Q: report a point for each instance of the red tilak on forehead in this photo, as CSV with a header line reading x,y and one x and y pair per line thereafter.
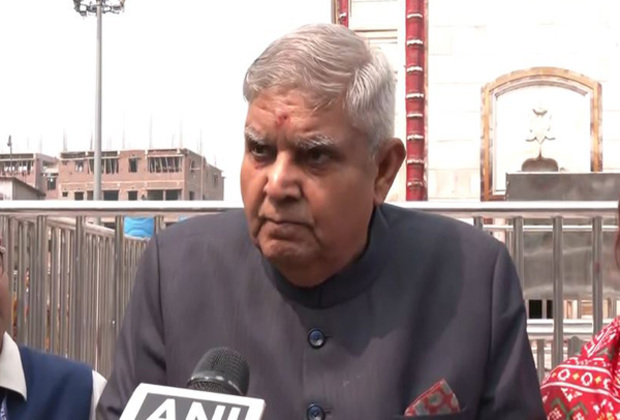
x,y
281,118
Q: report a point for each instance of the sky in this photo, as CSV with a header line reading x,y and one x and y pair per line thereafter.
x,y
173,68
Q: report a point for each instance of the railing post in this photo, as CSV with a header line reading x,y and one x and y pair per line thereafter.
x,y
116,288
90,282
558,292
9,265
22,298
38,285
31,271
540,359
159,224
517,246
76,314
54,291
597,273
574,346
119,272
64,291
107,307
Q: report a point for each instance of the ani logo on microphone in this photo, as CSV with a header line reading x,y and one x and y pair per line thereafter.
x,y
156,402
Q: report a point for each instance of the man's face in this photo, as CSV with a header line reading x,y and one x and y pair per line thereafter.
x,y
307,182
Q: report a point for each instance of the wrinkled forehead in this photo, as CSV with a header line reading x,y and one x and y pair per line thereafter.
x,y
289,114
296,102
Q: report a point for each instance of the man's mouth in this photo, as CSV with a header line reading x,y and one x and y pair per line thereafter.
x,y
280,221
283,228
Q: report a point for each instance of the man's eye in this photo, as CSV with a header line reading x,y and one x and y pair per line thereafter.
x,y
317,156
259,150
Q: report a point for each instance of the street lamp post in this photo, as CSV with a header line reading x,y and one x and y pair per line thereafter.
x,y
98,8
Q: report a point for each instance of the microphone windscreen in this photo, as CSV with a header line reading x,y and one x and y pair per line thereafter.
x,y
223,371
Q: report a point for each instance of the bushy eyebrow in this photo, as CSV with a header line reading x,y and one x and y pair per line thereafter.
x,y
252,135
315,141
303,143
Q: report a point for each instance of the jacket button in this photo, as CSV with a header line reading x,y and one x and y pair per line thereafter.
x,y
316,338
315,412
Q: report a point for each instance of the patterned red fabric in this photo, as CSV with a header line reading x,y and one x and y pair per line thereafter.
x,y
587,386
439,399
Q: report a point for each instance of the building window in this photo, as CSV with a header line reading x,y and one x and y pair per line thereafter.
x,y
79,166
191,196
78,195
133,165
164,164
132,195
65,194
167,195
110,195
155,195
89,195
51,183
108,165
172,195
21,167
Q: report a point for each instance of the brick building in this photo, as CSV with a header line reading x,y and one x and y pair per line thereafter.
x,y
34,169
157,174
12,188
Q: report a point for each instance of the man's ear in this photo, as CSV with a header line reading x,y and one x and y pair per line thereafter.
x,y
389,157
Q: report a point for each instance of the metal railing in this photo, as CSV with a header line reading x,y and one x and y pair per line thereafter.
x,y
70,282
72,279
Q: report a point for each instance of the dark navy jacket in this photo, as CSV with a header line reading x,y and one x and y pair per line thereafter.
x,y
431,298
58,389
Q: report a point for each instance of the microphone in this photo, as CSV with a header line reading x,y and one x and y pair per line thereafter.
x,y
223,371
215,391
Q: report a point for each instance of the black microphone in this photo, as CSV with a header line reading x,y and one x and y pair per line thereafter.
x,y
223,371
215,390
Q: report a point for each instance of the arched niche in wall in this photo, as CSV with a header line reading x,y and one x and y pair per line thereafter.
x,y
542,119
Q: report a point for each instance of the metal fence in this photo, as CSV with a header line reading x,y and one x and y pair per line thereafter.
x,y
72,279
70,282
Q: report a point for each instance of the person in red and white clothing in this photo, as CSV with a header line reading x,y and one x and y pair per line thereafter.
x,y
587,386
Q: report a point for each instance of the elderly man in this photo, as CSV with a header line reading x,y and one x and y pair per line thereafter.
x,y
345,307
35,385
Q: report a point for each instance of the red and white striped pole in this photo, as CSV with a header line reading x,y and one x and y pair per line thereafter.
x,y
415,88
342,12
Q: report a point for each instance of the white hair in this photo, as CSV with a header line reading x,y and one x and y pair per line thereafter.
x,y
331,65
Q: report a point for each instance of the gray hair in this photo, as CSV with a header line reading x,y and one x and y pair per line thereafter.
x,y
330,63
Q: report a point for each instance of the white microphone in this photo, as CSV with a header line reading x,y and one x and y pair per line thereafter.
x,y
216,391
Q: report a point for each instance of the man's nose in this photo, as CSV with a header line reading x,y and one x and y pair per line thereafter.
x,y
283,180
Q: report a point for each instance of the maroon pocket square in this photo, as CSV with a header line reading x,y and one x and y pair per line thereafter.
x,y
438,399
